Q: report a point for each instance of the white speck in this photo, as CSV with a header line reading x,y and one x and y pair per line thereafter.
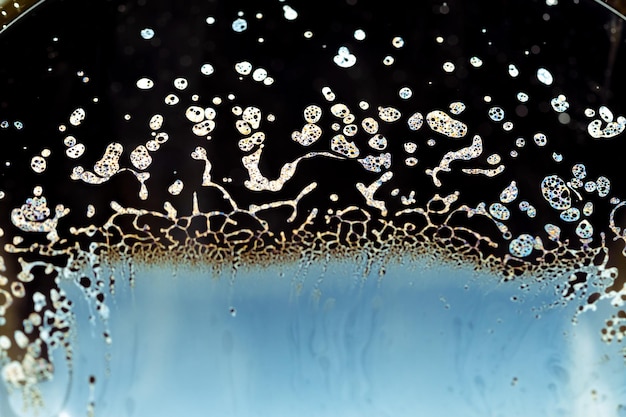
x,y
210,20
359,34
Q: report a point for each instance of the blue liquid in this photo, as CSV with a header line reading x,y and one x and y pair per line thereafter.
x,y
431,342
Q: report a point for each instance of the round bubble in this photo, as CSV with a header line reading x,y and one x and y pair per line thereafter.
x,y
147,33
145,83
207,69
239,25
544,76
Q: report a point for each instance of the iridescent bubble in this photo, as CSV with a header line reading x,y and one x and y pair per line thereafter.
x,y
544,76
344,58
239,25
397,42
388,60
359,34
147,33
405,93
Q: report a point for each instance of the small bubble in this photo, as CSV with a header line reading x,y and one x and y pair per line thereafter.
x,y
259,74
4,124
145,83
308,34
180,83
439,39
18,125
411,161
210,20
171,99
493,159
243,67
334,197
520,142
388,60
328,94
487,99
344,58
431,142
590,112
239,25
476,62
364,105
359,34
522,97
544,76
448,67
496,113
289,13
540,139
176,188
147,33
513,71
207,69
397,42
508,126
259,16
405,93
557,157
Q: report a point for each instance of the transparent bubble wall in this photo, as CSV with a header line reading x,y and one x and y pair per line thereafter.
x,y
303,208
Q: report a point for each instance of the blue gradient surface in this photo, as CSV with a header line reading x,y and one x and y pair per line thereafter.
x,y
418,342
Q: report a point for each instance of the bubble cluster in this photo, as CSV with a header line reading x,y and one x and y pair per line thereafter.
x,y
226,169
